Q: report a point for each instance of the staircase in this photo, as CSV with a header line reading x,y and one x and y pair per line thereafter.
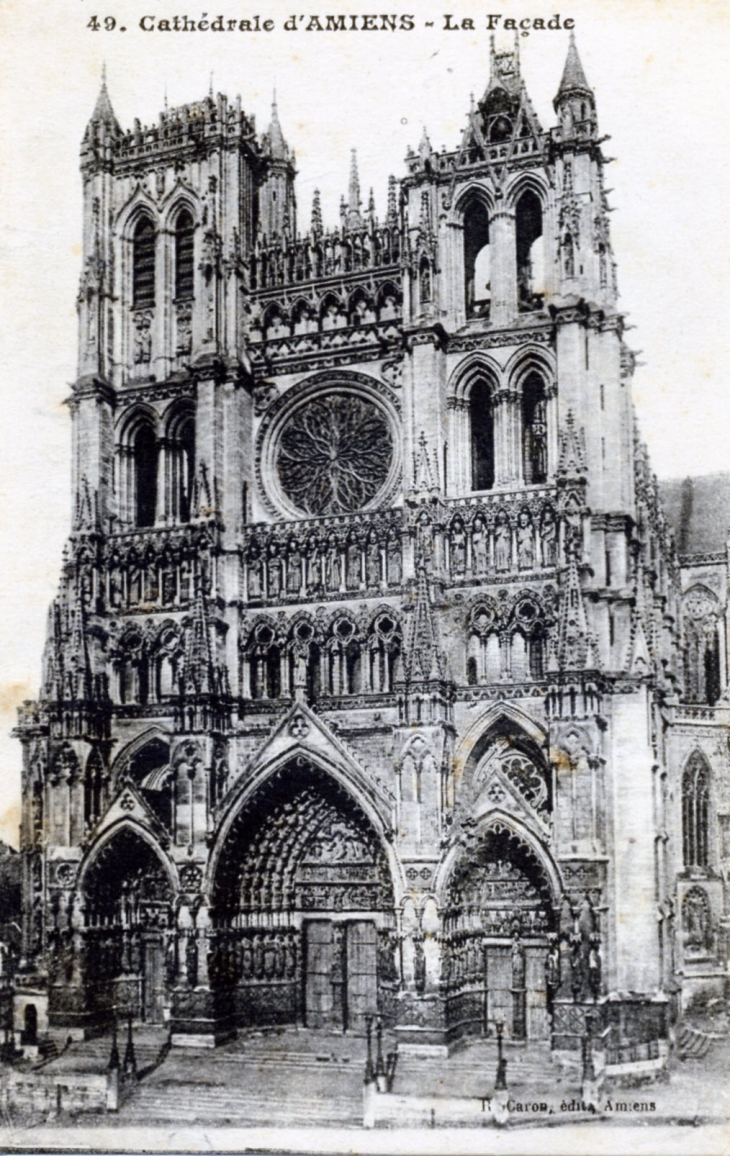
x,y
693,1043
250,1083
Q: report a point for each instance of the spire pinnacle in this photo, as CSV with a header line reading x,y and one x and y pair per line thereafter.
x,y
424,659
103,112
353,200
574,78
316,214
278,148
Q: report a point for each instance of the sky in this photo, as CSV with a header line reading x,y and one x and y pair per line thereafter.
x,y
659,71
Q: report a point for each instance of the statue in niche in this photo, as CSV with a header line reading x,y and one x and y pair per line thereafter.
x,y
115,587
255,583
372,562
552,966
525,541
479,546
594,967
502,542
353,566
294,571
191,961
313,568
549,537
458,549
419,964
332,566
142,338
274,570
697,923
393,561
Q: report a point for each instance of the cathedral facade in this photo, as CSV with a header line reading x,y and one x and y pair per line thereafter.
x,y
377,683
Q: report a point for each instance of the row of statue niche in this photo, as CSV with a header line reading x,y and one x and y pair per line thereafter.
x,y
573,965
332,254
524,544
332,568
505,921
166,583
258,956
342,897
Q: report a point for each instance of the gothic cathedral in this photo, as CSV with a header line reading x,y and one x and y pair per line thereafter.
x,y
378,682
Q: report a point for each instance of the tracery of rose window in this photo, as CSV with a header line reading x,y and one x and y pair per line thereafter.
x,y
334,454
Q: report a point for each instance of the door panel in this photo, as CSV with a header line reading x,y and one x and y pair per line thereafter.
x,y
499,987
153,991
319,1002
538,1023
362,979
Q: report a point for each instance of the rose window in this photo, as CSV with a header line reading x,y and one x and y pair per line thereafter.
x,y
334,454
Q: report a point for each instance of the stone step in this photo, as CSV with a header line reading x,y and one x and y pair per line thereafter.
x,y
218,1103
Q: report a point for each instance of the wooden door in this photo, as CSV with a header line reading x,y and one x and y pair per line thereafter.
x,y
319,1002
538,1023
362,976
153,987
498,963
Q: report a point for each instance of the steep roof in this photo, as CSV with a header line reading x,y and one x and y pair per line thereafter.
x,y
698,510
574,78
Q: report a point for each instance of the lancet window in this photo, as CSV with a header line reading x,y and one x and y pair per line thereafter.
x,y
481,413
143,264
702,646
384,646
695,811
477,278
530,258
144,453
264,663
534,430
180,470
344,659
184,256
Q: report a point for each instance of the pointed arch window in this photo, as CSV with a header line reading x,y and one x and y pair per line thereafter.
x,y
143,264
385,652
695,811
344,671
144,452
481,413
184,256
530,256
477,278
265,664
181,471
534,430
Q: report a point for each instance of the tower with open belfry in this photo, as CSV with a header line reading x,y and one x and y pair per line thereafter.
x,y
383,678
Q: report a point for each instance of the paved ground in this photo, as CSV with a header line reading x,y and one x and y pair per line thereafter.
x,y
307,1080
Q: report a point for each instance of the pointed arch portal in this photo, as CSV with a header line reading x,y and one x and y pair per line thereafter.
x,y
302,906
500,910
127,895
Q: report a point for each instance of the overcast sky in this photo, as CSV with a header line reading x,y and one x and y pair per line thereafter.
x,y
660,72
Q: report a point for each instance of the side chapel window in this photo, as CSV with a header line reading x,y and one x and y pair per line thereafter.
x,y
695,811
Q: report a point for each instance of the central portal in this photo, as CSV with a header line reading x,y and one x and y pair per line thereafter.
x,y
304,908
